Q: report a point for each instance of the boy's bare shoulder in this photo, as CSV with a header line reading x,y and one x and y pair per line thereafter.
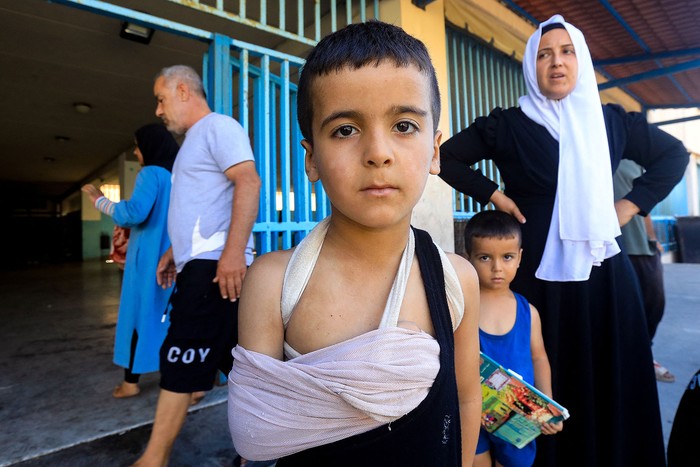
x,y
271,264
463,268
263,282
260,327
266,275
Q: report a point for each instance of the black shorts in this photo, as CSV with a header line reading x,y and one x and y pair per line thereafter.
x,y
203,330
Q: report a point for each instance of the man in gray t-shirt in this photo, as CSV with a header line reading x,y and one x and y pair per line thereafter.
x,y
213,206
644,251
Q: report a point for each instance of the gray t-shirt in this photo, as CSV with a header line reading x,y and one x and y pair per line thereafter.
x,y
201,197
634,235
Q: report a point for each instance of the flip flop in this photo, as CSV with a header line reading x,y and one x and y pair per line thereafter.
x,y
662,373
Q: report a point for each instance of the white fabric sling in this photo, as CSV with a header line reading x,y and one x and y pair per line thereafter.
x,y
584,222
279,408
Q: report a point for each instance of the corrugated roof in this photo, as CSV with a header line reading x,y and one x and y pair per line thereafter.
x,y
652,46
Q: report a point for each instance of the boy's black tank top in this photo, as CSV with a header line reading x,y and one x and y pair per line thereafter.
x,y
430,434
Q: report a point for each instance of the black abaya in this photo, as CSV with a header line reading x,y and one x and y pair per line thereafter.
x,y
594,331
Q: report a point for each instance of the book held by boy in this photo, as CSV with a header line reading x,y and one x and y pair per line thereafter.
x,y
513,409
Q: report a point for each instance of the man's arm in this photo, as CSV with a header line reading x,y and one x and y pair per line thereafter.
x,y
166,273
232,265
651,233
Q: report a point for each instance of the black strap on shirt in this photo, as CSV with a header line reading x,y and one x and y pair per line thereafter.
x,y
430,434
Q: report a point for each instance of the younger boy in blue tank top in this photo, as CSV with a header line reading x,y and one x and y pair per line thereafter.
x,y
509,327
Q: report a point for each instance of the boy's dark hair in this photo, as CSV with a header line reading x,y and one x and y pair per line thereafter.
x,y
491,224
356,46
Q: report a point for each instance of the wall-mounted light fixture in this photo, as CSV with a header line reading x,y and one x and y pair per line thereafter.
x,y
82,107
136,32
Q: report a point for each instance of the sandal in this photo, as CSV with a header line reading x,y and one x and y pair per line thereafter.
x,y
662,373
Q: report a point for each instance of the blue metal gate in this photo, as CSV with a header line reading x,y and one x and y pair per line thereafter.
x,y
255,85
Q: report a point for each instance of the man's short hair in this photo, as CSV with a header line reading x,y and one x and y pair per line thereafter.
x,y
359,45
183,73
491,224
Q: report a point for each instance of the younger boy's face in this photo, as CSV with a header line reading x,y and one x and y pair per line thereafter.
x,y
373,141
496,261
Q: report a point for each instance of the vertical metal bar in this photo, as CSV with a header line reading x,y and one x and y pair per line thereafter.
x,y
499,83
512,87
363,13
219,76
302,210
243,90
334,15
205,70
376,9
241,9
285,133
492,80
263,12
471,98
270,186
464,93
300,18
219,5
274,172
479,83
348,12
453,97
470,94
283,14
262,151
317,19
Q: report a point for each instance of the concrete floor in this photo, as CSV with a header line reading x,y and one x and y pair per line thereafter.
x,y
56,375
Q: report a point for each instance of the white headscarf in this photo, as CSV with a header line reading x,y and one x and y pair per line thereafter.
x,y
584,222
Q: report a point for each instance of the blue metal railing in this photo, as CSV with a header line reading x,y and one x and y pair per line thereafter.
x,y
305,21
265,105
665,228
262,81
479,79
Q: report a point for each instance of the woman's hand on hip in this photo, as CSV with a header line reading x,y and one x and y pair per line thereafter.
x,y
625,210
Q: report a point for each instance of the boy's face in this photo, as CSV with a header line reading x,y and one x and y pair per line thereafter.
x,y
496,261
373,142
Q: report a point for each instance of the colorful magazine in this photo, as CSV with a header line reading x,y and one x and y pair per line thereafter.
x,y
512,409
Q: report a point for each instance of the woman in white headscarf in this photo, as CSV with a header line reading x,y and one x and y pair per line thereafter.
x,y
556,154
